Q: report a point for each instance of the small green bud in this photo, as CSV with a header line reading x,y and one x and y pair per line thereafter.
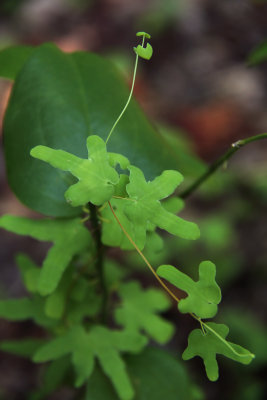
x,y
146,35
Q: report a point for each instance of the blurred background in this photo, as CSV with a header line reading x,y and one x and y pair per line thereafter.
x,y
200,86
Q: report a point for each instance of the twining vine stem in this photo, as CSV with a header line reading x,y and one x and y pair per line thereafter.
x,y
220,161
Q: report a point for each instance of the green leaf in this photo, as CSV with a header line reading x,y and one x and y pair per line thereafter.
x,y
55,305
213,342
99,387
114,274
16,309
25,309
112,234
146,207
90,307
101,343
57,101
150,381
70,237
84,301
154,249
139,311
96,177
142,211
173,204
203,295
12,60
144,52
29,271
146,370
24,348
118,159
52,378
80,287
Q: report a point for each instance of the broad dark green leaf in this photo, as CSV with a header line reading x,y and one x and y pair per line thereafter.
x,y
12,60
155,374
57,100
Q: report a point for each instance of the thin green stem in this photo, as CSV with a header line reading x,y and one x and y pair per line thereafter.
x,y
129,98
220,161
128,101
